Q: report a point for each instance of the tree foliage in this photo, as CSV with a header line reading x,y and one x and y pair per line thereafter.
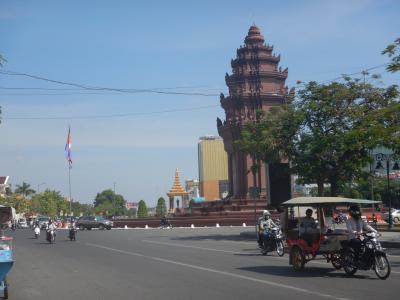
x,y
327,132
108,203
393,52
49,203
24,189
142,209
161,209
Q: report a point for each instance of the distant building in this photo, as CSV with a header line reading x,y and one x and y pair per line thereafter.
x,y
213,168
192,187
3,185
131,205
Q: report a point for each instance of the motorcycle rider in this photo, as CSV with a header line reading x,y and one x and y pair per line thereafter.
x,y
164,222
36,230
51,226
355,227
72,230
265,223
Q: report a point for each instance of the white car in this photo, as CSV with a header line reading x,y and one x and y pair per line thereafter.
x,y
22,223
395,216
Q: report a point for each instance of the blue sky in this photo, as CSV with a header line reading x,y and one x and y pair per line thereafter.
x,y
183,45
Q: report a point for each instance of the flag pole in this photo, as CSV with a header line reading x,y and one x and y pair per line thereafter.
x,y
68,155
69,184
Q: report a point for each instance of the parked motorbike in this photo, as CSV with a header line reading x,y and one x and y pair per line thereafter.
x,y
72,234
272,241
370,256
51,236
37,232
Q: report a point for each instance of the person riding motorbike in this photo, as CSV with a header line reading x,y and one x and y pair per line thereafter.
x,y
72,230
36,230
355,227
265,223
51,226
164,222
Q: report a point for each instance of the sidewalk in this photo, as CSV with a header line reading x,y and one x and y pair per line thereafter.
x,y
388,239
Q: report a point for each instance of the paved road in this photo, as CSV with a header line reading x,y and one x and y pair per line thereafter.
x,y
212,263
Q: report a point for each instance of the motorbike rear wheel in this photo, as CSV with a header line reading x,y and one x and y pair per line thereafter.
x,y
382,266
5,292
279,248
349,260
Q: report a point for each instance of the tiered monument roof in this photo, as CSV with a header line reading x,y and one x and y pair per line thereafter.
x,y
177,189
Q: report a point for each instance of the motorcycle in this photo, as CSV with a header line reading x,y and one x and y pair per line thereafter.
x,y
272,241
72,234
37,232
371,256
51,236
165,224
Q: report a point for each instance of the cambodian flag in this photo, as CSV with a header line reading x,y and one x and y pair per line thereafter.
x,y
68,148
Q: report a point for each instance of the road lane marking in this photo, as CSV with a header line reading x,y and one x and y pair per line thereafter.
x,y
232,252
116,250
215,271
194,247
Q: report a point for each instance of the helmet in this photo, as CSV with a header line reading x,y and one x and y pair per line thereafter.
x,y
266,213
354,211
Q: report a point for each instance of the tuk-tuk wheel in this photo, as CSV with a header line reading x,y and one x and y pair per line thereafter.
x,y
5,296
297,258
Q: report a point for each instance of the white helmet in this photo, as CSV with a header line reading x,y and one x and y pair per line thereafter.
x,y
266,213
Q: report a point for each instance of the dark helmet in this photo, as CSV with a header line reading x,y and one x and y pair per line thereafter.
x,y
355,211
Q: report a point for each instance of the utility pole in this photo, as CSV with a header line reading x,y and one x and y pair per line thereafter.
x,y
114,201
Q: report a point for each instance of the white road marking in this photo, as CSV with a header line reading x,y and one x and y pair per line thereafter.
x,y
193,247
267,282
234,252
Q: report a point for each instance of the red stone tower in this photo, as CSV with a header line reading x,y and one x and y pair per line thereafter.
x,y
256,83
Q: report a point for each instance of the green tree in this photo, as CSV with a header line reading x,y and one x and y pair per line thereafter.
x,y
326,132
393,52
82,209
49,203
142,209
107,200
161,209
24,189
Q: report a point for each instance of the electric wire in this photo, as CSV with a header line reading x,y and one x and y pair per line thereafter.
x,y
85,87
108,116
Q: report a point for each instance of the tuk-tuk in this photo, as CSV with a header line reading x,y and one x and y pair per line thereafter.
x,y
326,237
6,252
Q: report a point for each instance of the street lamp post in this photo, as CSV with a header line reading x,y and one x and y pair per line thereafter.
x,y
388,158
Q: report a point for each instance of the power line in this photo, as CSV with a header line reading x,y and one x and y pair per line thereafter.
x,y
94,88
108,116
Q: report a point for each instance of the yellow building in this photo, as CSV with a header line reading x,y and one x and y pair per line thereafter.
x,y
213,168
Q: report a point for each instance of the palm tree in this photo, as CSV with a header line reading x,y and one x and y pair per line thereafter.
x,y
24,189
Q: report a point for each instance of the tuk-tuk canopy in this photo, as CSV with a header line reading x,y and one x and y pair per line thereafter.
x,y
318,201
